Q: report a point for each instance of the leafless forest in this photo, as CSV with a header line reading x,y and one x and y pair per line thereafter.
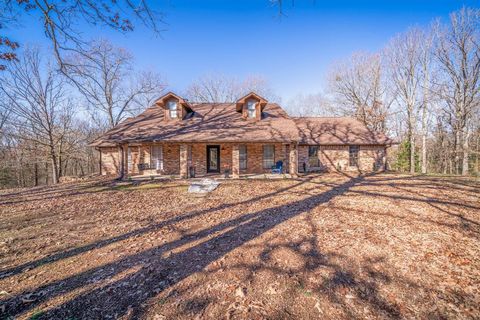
x,y
423,89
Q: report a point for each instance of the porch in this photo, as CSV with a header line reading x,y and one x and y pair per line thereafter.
x,y
161,177
197,160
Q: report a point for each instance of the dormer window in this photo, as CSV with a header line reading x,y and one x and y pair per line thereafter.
x,y
172,109
251,108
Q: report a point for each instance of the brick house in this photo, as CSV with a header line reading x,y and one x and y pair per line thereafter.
x,y
176,137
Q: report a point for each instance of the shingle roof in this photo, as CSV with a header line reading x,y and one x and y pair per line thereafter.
x,y
337,131
220,122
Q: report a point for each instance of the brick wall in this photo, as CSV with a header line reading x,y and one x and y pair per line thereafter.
x,y
332,158
254,157
372,158
171,159
199,158
110,159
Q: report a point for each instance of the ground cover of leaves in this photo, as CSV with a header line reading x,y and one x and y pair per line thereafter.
x,y
320,246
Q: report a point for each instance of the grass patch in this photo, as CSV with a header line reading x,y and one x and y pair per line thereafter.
x,y
162,301
37,315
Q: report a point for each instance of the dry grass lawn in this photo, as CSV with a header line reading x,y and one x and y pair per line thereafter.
x,y
327,246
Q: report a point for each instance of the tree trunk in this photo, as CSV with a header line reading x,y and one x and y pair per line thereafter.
x,y
412,140
424,122
465,152
35,170
477,154
456,149
46,172
54,167
424,152
412,154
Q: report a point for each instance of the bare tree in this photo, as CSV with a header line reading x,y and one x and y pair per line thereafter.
x,y
60,17
5,111
426,61
221,88
7,54
106,78
359,89
8,47
310,105
40,111
459,58
403,54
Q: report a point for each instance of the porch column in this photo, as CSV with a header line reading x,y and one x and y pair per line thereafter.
x,y
235,161
183,161
293,160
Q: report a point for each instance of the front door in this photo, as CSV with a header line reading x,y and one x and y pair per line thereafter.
x,y
213,158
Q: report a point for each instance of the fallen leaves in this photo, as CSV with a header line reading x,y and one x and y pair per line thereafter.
x,y
382,246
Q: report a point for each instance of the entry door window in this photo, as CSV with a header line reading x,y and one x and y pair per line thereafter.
x,y
213,158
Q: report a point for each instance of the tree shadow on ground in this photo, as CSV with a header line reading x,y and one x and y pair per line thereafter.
x,y
132,281
157,273
137,232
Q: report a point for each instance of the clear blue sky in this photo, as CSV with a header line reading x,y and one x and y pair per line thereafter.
x,y
245,37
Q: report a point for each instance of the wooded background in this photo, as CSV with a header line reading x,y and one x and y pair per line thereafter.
x,y
422,89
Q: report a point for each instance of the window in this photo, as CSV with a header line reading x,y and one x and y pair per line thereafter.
x,y
156,159
132,158
243,157
189,156
313,160
353,156
129,159
251,108
172,109
268,156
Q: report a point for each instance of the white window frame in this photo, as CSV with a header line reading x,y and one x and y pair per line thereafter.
x,y
172,109
156,157
270,162
353,155
243,162
129,159
251,108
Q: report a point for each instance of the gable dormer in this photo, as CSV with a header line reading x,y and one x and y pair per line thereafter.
x,y
175,107
251,106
